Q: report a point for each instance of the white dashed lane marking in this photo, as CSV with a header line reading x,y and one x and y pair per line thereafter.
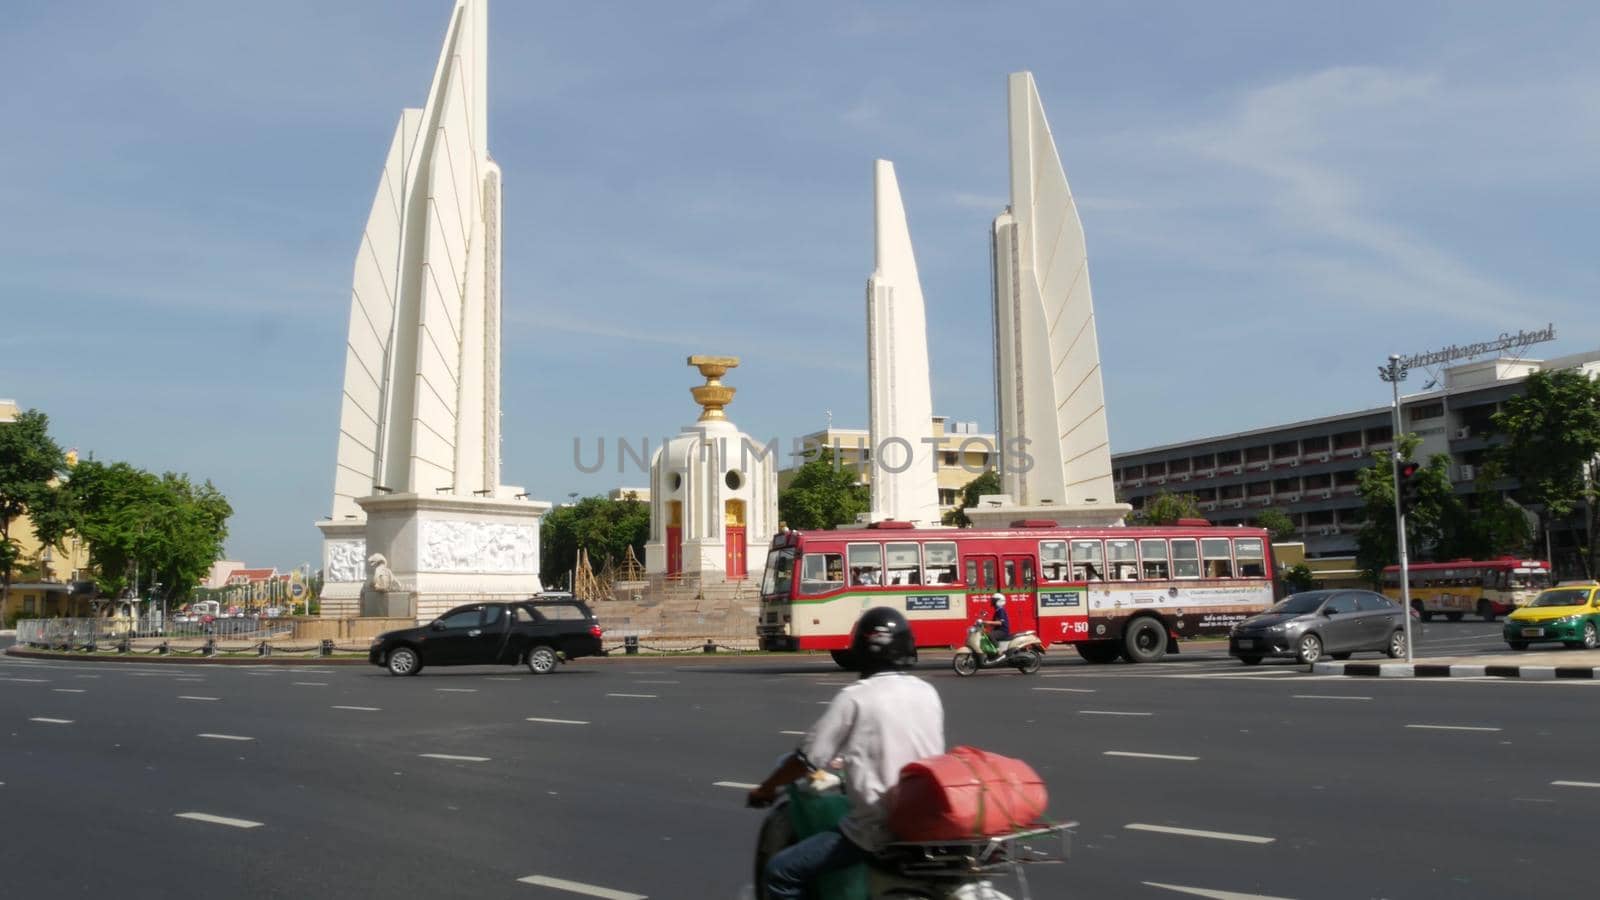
x,y
801,733
1110,712
578,887
454,758
735,784
1056,690
557,721
45,721
1584,784
311,684
225,737
69,690
635,696
1195,832
187,697
1212,894
457,690
1453,727
361,708
1130,753
219,820
1329,697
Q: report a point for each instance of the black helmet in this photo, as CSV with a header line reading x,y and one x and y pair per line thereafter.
x,y
881,641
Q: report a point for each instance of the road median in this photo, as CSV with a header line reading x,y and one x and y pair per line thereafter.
x,y
1537,666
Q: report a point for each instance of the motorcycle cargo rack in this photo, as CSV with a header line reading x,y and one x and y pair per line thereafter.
x,y
1042,843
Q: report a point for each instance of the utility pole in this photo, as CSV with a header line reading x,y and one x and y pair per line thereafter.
x,y
1394,373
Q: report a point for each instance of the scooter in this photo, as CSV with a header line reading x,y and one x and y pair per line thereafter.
x,y
959,870
1023,651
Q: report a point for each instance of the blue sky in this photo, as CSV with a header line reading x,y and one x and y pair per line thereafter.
x,y
1276,196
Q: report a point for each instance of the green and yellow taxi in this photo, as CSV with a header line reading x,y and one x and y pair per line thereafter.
x,y
1569,613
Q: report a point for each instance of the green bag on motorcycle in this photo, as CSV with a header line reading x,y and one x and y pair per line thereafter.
x,y
812,813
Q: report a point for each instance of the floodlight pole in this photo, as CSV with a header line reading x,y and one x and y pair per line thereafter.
x,y
1394,373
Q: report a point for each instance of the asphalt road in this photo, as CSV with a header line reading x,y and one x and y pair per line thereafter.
x,y
135,780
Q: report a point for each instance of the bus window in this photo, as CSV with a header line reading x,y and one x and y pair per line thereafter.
x,y
822,572
1185,558
866,564
1028,581
1053,560
1123,560
972,575
1219,562
1252,564
1155,559
989,580
1011,582
939,562
1088,562
905,565
780,571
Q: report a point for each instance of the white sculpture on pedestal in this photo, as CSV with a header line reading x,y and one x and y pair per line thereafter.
x,y
904,483
419,427
713,492
1050,400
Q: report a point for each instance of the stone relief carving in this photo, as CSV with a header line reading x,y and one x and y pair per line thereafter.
x,y
345,561
477,547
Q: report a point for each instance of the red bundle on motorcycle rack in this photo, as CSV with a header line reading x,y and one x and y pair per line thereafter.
x,y
963,794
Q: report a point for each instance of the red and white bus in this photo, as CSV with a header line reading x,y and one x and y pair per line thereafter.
x,y
1486,588
1110,592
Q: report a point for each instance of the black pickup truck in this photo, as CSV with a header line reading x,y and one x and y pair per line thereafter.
x,y
538,632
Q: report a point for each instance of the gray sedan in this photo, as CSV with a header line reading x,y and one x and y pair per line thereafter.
x,y
1311,624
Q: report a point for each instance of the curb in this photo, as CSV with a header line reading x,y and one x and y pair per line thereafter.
x,y
192,660
1441,670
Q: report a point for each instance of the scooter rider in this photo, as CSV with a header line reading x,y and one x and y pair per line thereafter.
x,y
876,725
1000,625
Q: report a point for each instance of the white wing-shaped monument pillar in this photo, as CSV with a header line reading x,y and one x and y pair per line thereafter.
x,y
904,485
417,475
1055,451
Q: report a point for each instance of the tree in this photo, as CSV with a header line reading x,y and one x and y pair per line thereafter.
x,y
1278,524
30,462
1552,443
604,527
1376,546
142,528
1299,578
1167,508
987,483
822,495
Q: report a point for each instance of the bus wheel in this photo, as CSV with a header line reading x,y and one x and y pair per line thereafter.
x,y
1454,616
841,658
1145,640
1486,610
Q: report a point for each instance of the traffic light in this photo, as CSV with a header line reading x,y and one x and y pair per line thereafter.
x,y
1410,479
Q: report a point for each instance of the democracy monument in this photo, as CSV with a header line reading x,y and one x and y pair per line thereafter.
x,y
416,485
420,520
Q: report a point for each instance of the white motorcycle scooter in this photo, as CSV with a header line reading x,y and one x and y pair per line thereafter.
x,y
1023,652
957,870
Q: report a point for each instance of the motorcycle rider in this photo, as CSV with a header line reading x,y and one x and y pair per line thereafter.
x,y
1000,626
876,726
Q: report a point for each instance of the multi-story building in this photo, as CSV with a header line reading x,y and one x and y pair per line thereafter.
x,y
961,451
57,581
1308,468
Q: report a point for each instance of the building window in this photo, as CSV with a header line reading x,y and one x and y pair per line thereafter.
x,y
949,457
1425,412
947,496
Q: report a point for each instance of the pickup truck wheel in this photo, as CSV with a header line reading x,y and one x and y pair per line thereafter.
x,y
541,660
404,661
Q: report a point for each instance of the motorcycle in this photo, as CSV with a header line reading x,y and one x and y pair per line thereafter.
x,y
1023,651
954,870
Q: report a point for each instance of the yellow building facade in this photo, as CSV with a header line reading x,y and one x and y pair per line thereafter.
x,y
960,450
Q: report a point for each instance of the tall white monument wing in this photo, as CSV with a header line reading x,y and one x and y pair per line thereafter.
x,y
900,404
422,371
1047,355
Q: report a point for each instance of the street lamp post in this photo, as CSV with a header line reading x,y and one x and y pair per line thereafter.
x,y
1394,373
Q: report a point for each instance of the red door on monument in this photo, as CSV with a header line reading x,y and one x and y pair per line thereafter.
x,y
674,550
736,552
